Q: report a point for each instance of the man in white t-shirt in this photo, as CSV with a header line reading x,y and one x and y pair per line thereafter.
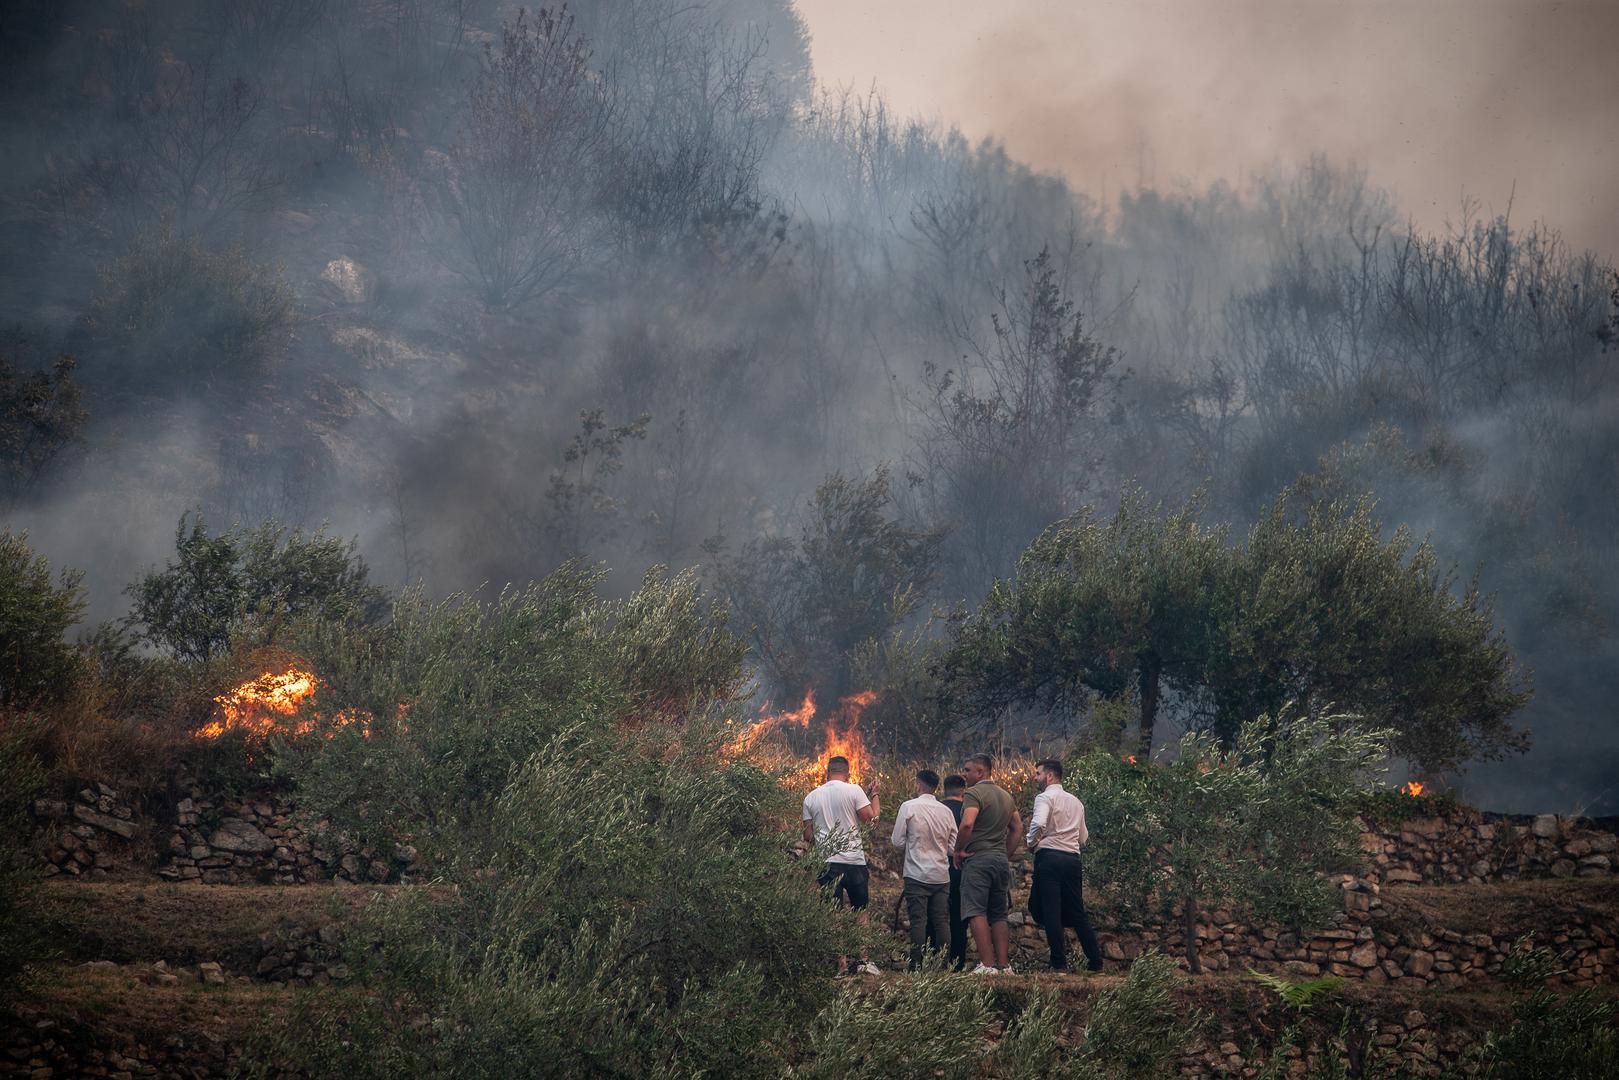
x,y
833,814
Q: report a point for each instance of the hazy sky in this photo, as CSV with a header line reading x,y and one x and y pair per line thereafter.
x,y
1437,98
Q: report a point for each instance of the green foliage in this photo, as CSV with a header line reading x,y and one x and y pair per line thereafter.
x,y
852,576
1571,1036
932,1026
1252,827
36,665
907,716
24,940
1331,612
1094,604
248,583
1315,607
458,694
40,417
1302,994
583,512
1388,805
174,312
1137,1030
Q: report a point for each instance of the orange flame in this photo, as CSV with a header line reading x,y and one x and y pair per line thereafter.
x,y
843,738
1412,788
273,703
265,704
800,717
1131,758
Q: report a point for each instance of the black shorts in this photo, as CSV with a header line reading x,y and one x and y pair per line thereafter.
x,y
850,883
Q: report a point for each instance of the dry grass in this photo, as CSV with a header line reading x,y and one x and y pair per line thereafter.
x,y
123,1002
128,922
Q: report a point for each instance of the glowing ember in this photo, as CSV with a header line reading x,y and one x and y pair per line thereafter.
x,y
1131,758
265,704
1412,788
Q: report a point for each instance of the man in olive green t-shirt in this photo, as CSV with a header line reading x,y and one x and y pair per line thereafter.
x,y
985,843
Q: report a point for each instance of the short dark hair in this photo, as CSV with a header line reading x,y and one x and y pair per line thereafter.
x,y
1052,766
837,764
955,782
928,777
985,760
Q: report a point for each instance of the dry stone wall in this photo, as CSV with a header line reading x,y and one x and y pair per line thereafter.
x,y
221,841
1465,846
87,835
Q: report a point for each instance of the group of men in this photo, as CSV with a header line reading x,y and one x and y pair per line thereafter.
x,y
958,860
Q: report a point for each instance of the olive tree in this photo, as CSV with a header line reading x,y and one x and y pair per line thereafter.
x,y
1253,826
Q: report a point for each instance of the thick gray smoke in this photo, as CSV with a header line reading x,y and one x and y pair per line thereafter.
x,y
492,290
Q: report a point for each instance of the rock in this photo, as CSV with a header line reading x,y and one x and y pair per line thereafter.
x,y
1419,964
1604,842
241,837
1364,955
1599,861
54,809
211,973
1544,826
351,281
104,821
1563,868
1397,875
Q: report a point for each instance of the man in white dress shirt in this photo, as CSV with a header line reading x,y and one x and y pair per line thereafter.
x,y
926,830
1057,898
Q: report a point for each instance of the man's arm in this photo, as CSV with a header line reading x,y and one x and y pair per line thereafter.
x,y
1084,833
902,822
869,812
1037,823
1014,835
964,834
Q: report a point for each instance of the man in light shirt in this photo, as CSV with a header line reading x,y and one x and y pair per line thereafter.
x,y
1057,898
833,814
926,830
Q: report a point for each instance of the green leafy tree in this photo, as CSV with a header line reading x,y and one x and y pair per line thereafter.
x,y
1329,611
853,574
248,581
1253,827
1094,604
36,663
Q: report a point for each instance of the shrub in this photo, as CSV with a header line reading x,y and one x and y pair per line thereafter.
x,y
931,1027
36,664
1568,1036
1254,826
248,583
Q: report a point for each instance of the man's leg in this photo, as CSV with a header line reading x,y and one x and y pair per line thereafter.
x,y
958,925
1048,887
1000,902
916,905
938,914
979,927
1073,905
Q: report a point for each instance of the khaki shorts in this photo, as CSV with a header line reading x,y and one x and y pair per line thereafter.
x,y
986,886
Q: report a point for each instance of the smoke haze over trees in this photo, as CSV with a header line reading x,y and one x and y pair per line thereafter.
x,y
490,290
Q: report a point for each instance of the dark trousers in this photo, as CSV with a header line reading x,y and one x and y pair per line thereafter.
x,y
929,909
1057,900
958,926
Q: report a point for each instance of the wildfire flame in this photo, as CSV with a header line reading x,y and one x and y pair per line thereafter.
x,y
1131,758
843,737
273,703
799,717
1412,788
264,704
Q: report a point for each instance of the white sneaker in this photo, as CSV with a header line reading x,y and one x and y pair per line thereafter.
x,y
985,969
1007,970
868,968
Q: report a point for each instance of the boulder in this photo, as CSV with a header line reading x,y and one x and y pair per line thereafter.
x,y
1545,826
241,837
126,829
